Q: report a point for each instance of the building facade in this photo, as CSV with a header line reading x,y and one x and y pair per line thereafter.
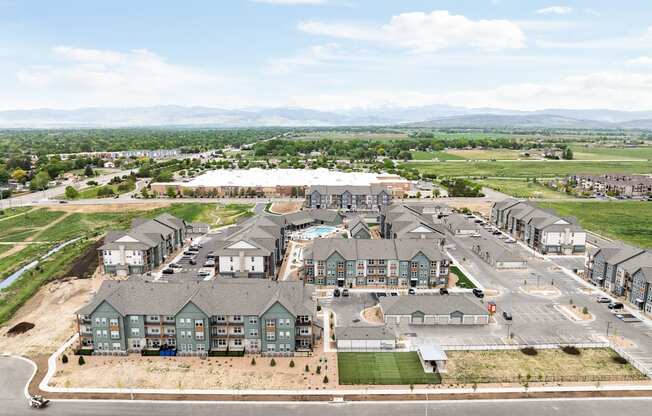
x,y
348,197
199,318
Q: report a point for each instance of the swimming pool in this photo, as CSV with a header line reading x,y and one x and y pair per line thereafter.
x,y
317,231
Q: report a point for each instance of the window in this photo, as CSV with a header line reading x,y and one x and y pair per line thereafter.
x,y
252,259
103,320
115,335
98,333
237,342
116,346
271,347
237,318
221,318
153,318
237,330
135,332
133,319
270,322
270,336
253,320
97,321
201,347
199,324
253,332
105,333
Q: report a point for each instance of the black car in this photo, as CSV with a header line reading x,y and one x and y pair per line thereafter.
x,y
168,271
411,291
616,306
443,291
336,293
176,266
507,316
192,261
345,293
478,293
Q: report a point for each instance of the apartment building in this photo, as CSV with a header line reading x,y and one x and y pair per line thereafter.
x,y
497,255
630,186
199,318
359,229
413,221
624,271
398,263
542,230
253,250
348,197
143,247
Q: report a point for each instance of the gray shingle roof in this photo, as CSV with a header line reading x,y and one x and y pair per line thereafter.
x,y
431,305
351,249
364,332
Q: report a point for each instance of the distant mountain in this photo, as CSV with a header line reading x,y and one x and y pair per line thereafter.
x,y
424,116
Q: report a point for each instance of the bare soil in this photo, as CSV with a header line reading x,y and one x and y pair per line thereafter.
x,y
577,312
286,207
373,315
483,207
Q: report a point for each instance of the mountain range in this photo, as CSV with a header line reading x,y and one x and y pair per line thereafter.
x,y
422,116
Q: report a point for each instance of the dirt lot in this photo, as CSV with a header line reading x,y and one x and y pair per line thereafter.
x,y
92,208
286,207
483,207
52,312
196,373
373,315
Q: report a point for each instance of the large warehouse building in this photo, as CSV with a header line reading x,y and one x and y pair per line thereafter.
x,y
278,182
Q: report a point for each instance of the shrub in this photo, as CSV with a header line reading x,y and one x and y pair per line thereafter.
x,y
529,351
318,308
81,360
272,363
325,379
585,310
253,361
64,359
619,360
318,369
291,363
307,369
570,350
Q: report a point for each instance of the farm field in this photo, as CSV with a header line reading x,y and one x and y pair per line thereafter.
x,y
630,221
492,366
486,154
383,368
605,153
520,188
527,169
421,155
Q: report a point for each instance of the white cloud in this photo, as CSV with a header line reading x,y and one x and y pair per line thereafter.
x,y
555,10
291,2
314,56
641,61
642,41
427,32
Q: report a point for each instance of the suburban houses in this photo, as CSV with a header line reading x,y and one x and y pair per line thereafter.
x,y
362,262
199,318
143,247
539,229
630,186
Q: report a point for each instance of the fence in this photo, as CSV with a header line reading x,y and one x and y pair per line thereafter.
x,y
489,347
633,361
578,378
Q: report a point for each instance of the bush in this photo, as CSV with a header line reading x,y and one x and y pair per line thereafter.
x,y
585,310
272,363
325,379
64,359
307,369
253,361
570,350
318,369
150,353
291,363
81,360
529,351
84,351
619,360
318,308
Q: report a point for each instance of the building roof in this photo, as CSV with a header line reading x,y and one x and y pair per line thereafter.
x,y
432,352
431,305
496,251
353,249
375,333
223,297
457,222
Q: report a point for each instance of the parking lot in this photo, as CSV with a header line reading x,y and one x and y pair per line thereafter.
x,y
188,271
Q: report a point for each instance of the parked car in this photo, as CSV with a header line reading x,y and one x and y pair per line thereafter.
x,y
336,292
496,232
603,299
176,266
507,316
192,261
476,235
510,241
478,293
209,263
411,291
203,273
443,291
615,306
478,221
393,294
345,293
168,271
189,253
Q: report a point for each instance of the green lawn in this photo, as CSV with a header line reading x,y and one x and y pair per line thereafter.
x,y
383,368
91,192
604,153
528,169
462,280
630,221
21,227
520,188
420,155
8,212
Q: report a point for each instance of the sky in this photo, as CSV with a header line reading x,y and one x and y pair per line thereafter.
x,y
326,54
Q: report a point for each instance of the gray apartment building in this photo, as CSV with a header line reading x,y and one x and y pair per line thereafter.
x,y
413,222
630,186
199,318
541,229
143,247
348,197
397,263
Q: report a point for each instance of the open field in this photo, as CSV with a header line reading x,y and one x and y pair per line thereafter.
x,y
520,188
420,155
9,212
21,227
196,373
491,366
527,169
606,153
91,192
630,221
383,368
334,135
486,154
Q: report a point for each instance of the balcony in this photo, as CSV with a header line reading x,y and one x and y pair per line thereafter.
x,y
218,322
236,335
303,322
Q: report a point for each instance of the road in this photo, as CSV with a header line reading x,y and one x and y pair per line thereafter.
x,y
15,374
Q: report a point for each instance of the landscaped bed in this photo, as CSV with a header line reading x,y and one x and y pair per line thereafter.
x,y
462,280
383,368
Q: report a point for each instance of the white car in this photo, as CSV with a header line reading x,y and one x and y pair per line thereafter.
x,y
209,263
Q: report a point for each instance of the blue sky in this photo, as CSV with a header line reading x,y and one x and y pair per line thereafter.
x,y
326,54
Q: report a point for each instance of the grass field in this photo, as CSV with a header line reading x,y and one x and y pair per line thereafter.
x,y
383,368
8,212
606,153
91,192
420,155
21,227
462,280
519,188
485,366
485,154
630,221
528,169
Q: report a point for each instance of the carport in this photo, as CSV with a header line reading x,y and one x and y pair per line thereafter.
x,y
433,358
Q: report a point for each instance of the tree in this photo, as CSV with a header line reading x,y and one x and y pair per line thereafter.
x,y
4,175
71,193
18,175
272,363
81,360
171,192
88,171
40,181
64,359
291,363
567,154
253,361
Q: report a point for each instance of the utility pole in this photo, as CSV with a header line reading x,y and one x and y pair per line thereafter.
x,y
509,327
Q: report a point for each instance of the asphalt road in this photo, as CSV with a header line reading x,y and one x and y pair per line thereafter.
x,y
14,374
